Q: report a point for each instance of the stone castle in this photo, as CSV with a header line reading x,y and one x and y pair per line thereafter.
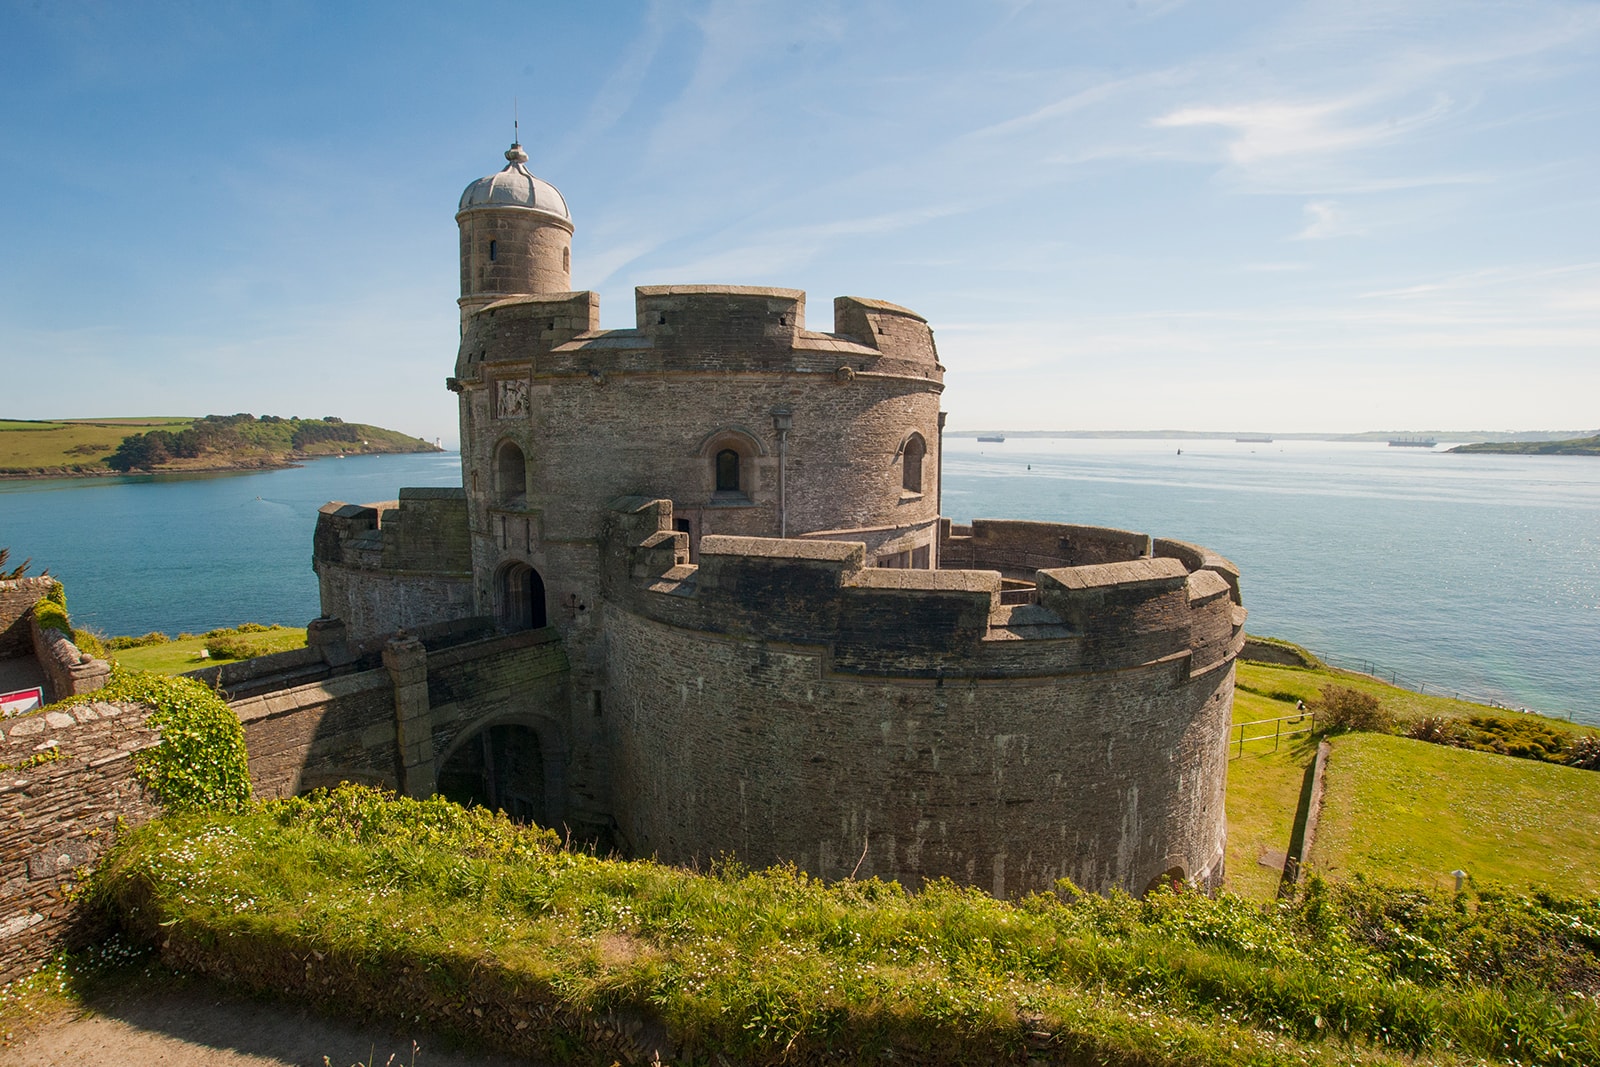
x,y
702,566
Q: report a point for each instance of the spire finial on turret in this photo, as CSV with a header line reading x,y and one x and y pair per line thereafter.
x,y
515,154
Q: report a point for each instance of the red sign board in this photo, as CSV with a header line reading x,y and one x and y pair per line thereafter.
x,y
20,701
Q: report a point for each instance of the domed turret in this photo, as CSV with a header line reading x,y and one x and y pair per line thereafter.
x,y
516,236
515,186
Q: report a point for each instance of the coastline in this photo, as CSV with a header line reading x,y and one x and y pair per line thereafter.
x,y
237,466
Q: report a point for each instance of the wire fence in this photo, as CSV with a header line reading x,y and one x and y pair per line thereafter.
x,y
1401,681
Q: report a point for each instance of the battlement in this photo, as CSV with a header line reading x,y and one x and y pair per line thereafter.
x,y
424,530
405,562
1089,612
699,327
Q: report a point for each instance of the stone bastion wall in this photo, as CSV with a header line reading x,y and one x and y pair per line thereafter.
x,y
783,701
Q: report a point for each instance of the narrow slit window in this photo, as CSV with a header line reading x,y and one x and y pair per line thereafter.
x,y
493,249
566,259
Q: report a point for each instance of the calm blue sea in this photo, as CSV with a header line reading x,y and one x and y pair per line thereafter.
x,y
1470,574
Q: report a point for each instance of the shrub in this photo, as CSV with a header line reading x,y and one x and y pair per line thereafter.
x,y
19,571
89,643
1436,730
1526,736
1342,708
52,616
154,637
233,646
1584,752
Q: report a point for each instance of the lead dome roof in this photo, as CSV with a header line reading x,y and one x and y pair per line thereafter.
x,y
515,186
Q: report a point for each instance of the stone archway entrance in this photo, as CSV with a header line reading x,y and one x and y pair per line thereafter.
x,y
501,768
519,600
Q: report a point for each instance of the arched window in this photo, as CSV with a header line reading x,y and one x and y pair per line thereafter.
x,y
566,259
511,476
911,454
492,247
728,471
730,458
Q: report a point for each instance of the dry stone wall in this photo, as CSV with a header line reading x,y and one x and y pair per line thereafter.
x,y
57,818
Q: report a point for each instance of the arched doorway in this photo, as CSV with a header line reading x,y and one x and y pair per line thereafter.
x,y
501,768
519,600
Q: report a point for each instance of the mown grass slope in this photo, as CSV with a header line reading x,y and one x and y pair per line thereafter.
x,y
1266,781
1411,813
183,654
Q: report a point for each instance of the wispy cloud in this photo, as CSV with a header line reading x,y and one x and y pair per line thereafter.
x,y
1324,219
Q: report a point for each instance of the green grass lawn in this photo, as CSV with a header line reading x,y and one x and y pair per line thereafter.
x,y
1265,781
177,657
1408,812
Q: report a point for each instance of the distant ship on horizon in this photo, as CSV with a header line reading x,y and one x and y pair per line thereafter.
x,y
1412,442
991,437
1254,439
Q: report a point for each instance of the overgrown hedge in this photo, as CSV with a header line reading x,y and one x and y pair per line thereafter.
x,y
199,764
421,911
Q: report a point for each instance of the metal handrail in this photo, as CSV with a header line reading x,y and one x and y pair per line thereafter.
x,y
1278,733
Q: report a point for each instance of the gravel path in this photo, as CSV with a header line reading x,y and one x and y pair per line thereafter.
x,y
193,1028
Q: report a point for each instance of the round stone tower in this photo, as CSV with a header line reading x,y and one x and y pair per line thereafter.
x,y
516,237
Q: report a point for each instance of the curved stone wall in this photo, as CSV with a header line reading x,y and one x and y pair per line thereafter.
x,y
782,702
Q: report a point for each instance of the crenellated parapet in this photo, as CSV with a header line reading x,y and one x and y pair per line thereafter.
x,y
705,328
400,563
1078,617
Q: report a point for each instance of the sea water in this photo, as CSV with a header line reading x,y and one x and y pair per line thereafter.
x,y
1462,573
1476,574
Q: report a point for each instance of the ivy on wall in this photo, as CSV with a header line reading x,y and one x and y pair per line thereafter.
x,y
199,763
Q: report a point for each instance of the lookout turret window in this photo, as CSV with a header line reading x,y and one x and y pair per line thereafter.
x,y
728,471
493,248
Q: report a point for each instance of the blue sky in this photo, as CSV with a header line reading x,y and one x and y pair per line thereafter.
x,y
1229,216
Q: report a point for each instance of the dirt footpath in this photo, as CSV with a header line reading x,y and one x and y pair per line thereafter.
x,y
191,1028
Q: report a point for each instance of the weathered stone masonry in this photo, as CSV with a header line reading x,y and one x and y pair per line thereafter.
x,y
57,818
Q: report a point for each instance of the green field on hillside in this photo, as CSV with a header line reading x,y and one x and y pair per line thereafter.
x,y
75,446
70,443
